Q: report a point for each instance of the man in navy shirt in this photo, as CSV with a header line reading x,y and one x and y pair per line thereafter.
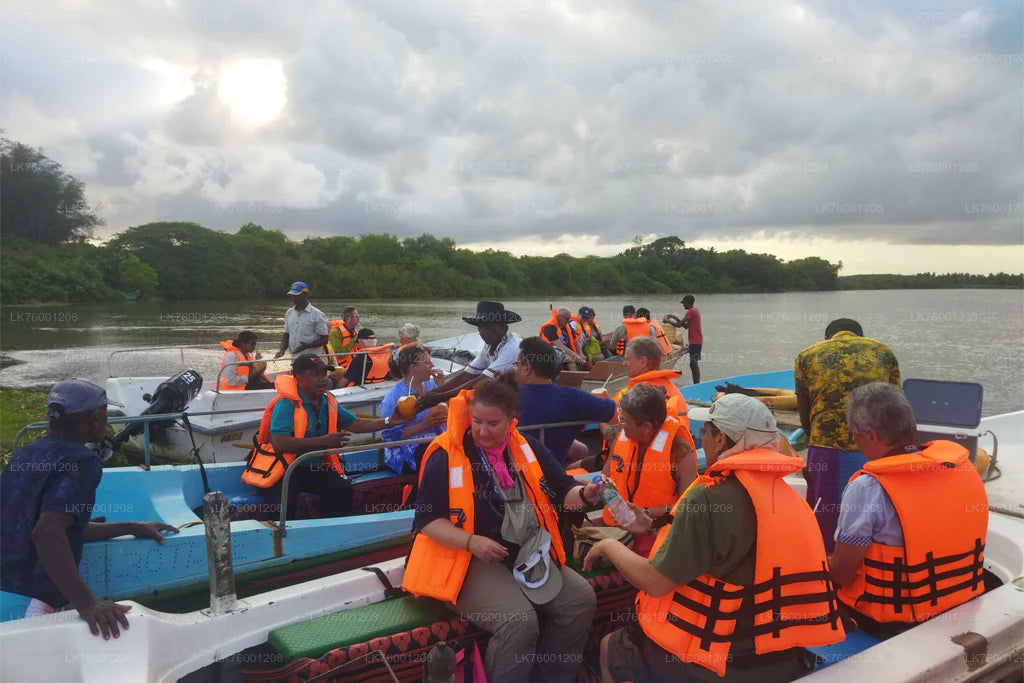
x,y
48,490
541,401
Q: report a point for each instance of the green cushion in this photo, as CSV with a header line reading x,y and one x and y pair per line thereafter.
x,y
315,637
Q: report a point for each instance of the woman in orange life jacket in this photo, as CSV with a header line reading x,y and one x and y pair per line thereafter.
x,y
371,365
919,509
652,459
731,530
418,376
487,539
342,337
306,418
236,377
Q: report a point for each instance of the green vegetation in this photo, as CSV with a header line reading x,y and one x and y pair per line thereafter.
x,y
45,259
933,281
17,409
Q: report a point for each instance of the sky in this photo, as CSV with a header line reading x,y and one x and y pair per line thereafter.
x,y
886,135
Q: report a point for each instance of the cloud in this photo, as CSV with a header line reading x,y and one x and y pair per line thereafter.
x,y
521,122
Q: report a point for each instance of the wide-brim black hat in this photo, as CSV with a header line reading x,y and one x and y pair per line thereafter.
x,y
491,312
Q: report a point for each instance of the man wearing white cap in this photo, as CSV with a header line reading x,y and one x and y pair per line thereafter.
x,y
48,491
741,535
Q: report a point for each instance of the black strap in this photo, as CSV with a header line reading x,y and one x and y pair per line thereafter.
x,y
389,590
900,586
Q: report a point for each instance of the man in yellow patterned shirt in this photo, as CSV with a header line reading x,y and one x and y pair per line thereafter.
x,y
825,373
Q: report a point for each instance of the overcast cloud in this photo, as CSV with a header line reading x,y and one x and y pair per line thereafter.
x,y
509,124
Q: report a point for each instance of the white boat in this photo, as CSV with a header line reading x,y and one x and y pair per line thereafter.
x,y
978,640
223,423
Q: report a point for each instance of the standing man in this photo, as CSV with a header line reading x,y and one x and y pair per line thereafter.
x,y
501,349
694,336
48,491
305,326
824,375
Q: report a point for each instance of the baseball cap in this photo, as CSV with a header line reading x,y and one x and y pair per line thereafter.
x,y
304,363
365,333
298,287
586,312
74,396
539,578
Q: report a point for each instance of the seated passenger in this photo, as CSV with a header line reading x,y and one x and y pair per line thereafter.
x,y
342,337
237,373
418,376
659,332
487,541
631,328
408,335
48,491
541,401
653,459
560,334
305,417
591,344
368,366
733,535
912,523
642,363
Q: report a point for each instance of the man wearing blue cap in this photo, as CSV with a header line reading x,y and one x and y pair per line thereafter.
x,y
305,325
47,491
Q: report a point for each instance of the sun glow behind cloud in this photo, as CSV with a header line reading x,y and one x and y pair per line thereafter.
x,y
255,90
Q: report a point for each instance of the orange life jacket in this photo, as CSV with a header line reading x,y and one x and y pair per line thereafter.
x,y
676,403
380,358
791,603
347,337
573,335
663,342
264,467
635,327
943,510
242,370
646,479
437,571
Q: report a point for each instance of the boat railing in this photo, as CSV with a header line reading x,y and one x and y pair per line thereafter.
x,y
330,356
180,348
280,529
144,419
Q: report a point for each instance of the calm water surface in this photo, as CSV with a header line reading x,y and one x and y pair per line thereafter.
x,y
964,335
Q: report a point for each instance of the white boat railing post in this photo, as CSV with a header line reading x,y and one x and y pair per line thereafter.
x,y
218,552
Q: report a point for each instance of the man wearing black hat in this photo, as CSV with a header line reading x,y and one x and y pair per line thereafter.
x,y
48,491
501,349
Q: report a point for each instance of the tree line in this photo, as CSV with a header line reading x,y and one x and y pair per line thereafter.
x,y
45,225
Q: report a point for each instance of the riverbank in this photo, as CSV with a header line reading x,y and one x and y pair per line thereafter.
x,y
17,409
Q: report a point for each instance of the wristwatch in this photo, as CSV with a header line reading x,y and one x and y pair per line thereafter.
x,y
647,511
387,420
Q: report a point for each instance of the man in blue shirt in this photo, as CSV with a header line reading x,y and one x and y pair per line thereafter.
x,y
541,401
335,490
48,490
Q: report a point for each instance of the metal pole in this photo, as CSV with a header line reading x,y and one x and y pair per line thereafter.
x,y
218,552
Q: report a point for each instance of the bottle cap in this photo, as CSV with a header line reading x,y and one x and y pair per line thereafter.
x,y
596,479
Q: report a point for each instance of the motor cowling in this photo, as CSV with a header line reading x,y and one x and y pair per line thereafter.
x,y
172,396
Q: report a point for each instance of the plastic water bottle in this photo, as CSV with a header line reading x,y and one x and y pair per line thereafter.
x,y
623,514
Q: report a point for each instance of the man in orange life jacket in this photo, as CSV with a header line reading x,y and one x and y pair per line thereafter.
x,y
659,331
342,337
631,328
307,418
242,376
653,457
563,337
369,367
642,362
731,530
919,509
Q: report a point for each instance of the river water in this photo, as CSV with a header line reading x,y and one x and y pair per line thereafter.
x,y
963,335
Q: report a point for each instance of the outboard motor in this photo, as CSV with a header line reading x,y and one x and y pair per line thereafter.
x,y
172,396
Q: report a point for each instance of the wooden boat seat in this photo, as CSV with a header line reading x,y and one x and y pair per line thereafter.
x,y
604,369
571,378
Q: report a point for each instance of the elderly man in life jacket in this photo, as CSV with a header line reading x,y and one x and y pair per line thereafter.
x,y
567,338
730,532
910,540
643,365
305,417
652,458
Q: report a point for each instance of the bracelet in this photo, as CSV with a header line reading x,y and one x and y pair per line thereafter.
x,y
468,539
